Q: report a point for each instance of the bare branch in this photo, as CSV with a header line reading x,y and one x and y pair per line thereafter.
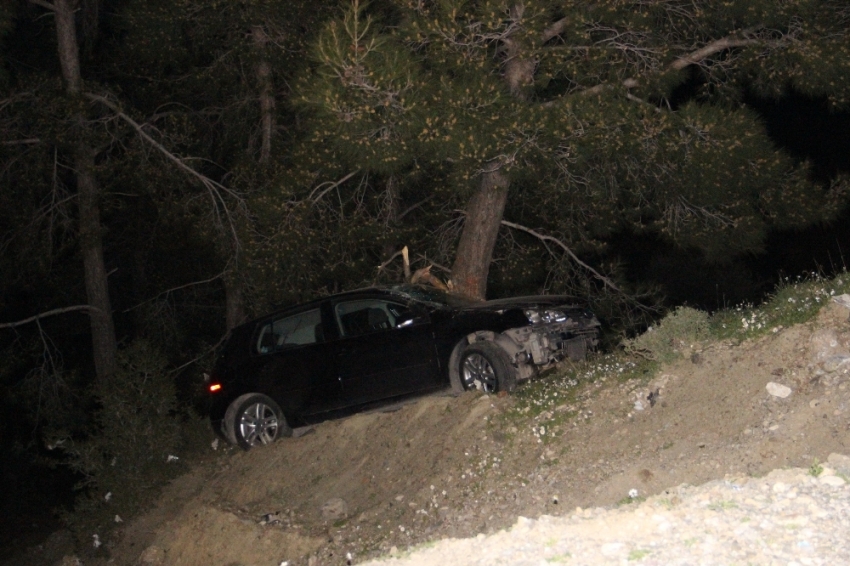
x,y
167,291
737,39
728,42
413,207
544,238
554,30
214,188
28,141
207,352
44,4
46,314
329,186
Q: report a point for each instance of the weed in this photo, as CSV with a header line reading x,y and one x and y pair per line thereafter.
x,y
674,334
794,302
628,499
723,505
638,554
815,469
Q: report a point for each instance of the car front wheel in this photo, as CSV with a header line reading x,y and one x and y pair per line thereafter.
x,y
486,366
253,420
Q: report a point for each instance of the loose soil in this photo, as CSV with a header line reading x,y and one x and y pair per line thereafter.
x,y
381,482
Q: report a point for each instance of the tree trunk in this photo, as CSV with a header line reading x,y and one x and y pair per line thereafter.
x,y
234,303
66,38
266,92
234,288
486,207
104,345
480,230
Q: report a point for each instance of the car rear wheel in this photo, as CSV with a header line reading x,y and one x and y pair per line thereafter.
x,y
253,420
486,366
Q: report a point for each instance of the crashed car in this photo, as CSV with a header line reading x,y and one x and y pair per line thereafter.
x,y
297,365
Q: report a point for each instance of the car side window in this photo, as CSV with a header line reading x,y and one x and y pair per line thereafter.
x,y
363,316
295,330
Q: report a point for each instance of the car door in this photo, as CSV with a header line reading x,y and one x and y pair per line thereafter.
x,y
385,349
298,368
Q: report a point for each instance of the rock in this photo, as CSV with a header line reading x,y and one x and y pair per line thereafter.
x,y
611,549
301,431
825,343
835,363
834,481
334,509
151,556
843,300
778,390
840,462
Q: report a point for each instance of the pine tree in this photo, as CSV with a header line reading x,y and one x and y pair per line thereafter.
x,y
565,116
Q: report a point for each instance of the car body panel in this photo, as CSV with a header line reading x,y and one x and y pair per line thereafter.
x,y
368,345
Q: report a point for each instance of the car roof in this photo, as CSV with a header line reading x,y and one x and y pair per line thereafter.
x,y
375,289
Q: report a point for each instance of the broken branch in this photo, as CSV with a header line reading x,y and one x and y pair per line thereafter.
x,y
46,314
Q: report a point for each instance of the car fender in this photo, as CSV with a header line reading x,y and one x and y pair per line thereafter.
x,y
514,350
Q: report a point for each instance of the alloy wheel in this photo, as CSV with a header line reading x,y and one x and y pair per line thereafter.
x,y
479,373
258,424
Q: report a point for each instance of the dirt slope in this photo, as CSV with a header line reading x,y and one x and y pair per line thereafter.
x,y
447,466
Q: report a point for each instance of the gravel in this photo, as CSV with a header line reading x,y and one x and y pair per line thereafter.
x,y
790,517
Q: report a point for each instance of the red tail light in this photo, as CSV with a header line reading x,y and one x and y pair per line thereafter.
x,y
214,387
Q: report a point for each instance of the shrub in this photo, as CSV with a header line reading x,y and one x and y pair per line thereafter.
x,y
129,453
672,336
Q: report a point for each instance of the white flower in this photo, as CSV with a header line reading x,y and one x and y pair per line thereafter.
x,y
96,541
107,497
633,493
171,458
118,519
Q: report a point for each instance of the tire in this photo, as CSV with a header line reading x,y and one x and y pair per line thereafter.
x,y
486,366
254,420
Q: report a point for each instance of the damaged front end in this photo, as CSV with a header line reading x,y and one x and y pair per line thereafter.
x,y
550,335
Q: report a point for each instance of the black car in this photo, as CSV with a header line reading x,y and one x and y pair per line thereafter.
x,y
348,350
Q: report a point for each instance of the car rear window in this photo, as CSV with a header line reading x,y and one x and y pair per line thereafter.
x,y
294,330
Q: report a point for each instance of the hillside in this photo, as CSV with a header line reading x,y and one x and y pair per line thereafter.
x,y
378,483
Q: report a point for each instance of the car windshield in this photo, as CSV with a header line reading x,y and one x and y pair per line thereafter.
x,y
433,296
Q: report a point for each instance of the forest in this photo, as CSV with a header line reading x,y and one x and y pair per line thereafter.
x,y
173,168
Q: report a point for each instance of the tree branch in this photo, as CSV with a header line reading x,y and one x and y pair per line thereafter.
x,y
44,4
330,187
214,188
554,30
28,141
202,355
717,46
692,58
45,314
167,291
544,238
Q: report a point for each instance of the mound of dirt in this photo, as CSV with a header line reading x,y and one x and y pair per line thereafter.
x,y
376,483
